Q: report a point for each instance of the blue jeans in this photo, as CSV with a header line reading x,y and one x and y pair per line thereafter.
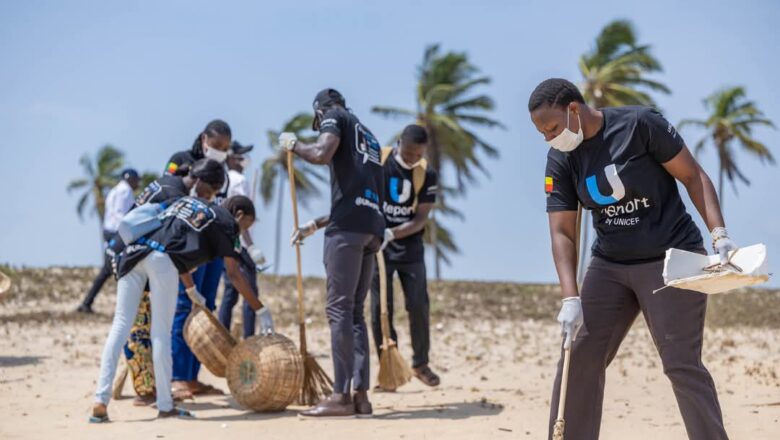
x,y
231,294
185,364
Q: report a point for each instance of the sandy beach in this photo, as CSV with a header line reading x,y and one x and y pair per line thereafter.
x,y
495,345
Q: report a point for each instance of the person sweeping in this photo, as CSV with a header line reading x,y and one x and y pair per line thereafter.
x,y
352,238
410,189
623,164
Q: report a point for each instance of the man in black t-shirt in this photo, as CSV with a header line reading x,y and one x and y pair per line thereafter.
x,y
623,165
410,192
352,238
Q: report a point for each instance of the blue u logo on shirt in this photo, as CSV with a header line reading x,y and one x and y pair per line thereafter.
x,y
400,189
618,190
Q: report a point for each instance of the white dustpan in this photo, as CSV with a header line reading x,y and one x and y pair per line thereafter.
x,y
685,270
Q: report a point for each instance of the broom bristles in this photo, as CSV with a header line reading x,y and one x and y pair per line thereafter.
x,y
316,383
119,383
558,429
393,370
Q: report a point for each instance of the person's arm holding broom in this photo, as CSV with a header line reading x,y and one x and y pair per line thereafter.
x,y
411,227
563,234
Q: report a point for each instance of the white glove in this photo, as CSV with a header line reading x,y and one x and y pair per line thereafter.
x,y
256,254
722,244
389,236
266,321
287,141
570,318
195,296
302,232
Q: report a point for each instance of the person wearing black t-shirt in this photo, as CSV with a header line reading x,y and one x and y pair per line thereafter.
x,y
623,165
192,233
202,179
211,143
410,192
352,238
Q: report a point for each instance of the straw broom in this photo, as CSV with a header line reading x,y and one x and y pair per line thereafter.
x,y
316,383
393,371
560,424
119,382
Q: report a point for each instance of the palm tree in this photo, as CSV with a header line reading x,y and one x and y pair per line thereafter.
x,y
732,118
274,174
615,74
146,178
615,71
447,106
99,177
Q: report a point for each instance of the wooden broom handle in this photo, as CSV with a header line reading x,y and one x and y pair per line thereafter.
x,y
385,319
299,281
567,352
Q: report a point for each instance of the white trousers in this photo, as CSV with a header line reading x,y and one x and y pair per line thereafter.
x,y
163,279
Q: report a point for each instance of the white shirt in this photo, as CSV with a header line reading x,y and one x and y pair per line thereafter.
x,y
239,186
118,201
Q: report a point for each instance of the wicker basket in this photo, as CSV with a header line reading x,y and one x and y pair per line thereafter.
x,y
265,373
208,340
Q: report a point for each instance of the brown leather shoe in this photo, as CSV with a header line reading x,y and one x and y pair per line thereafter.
x,y
337,406
426,376
363,408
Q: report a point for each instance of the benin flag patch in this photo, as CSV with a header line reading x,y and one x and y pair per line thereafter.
x,y
548,184
172,167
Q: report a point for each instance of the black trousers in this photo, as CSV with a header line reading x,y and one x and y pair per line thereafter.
x,y
230,296
103,275
415,287
612,296
349,262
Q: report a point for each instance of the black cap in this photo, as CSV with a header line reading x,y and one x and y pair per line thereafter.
x,y
326,98
237,148
128,173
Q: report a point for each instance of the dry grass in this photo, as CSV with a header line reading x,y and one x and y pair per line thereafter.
x,y
50,294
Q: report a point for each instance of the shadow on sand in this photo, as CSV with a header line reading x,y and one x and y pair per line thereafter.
x,y
448,411
19,361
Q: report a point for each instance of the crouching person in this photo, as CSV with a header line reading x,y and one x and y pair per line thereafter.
x,y
193,232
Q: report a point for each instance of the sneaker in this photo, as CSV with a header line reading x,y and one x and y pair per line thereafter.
x,y
336,406
426,376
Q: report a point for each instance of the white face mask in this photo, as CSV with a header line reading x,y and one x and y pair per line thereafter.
x,y
567,140
214,154
403,164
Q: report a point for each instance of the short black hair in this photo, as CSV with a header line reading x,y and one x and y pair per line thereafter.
x,y
554,92
239,203
210,172
217,127
414,134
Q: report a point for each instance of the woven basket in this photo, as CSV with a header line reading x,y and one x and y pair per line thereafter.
x,y
265,373
208,340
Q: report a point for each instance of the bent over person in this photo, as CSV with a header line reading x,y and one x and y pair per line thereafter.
x,y
623,164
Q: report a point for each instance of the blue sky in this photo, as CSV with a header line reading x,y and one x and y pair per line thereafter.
x,y
147,76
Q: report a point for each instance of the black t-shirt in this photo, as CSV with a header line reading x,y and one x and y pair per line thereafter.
x,y
355,175
398,209
193,232
187,158
617,174
165,189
